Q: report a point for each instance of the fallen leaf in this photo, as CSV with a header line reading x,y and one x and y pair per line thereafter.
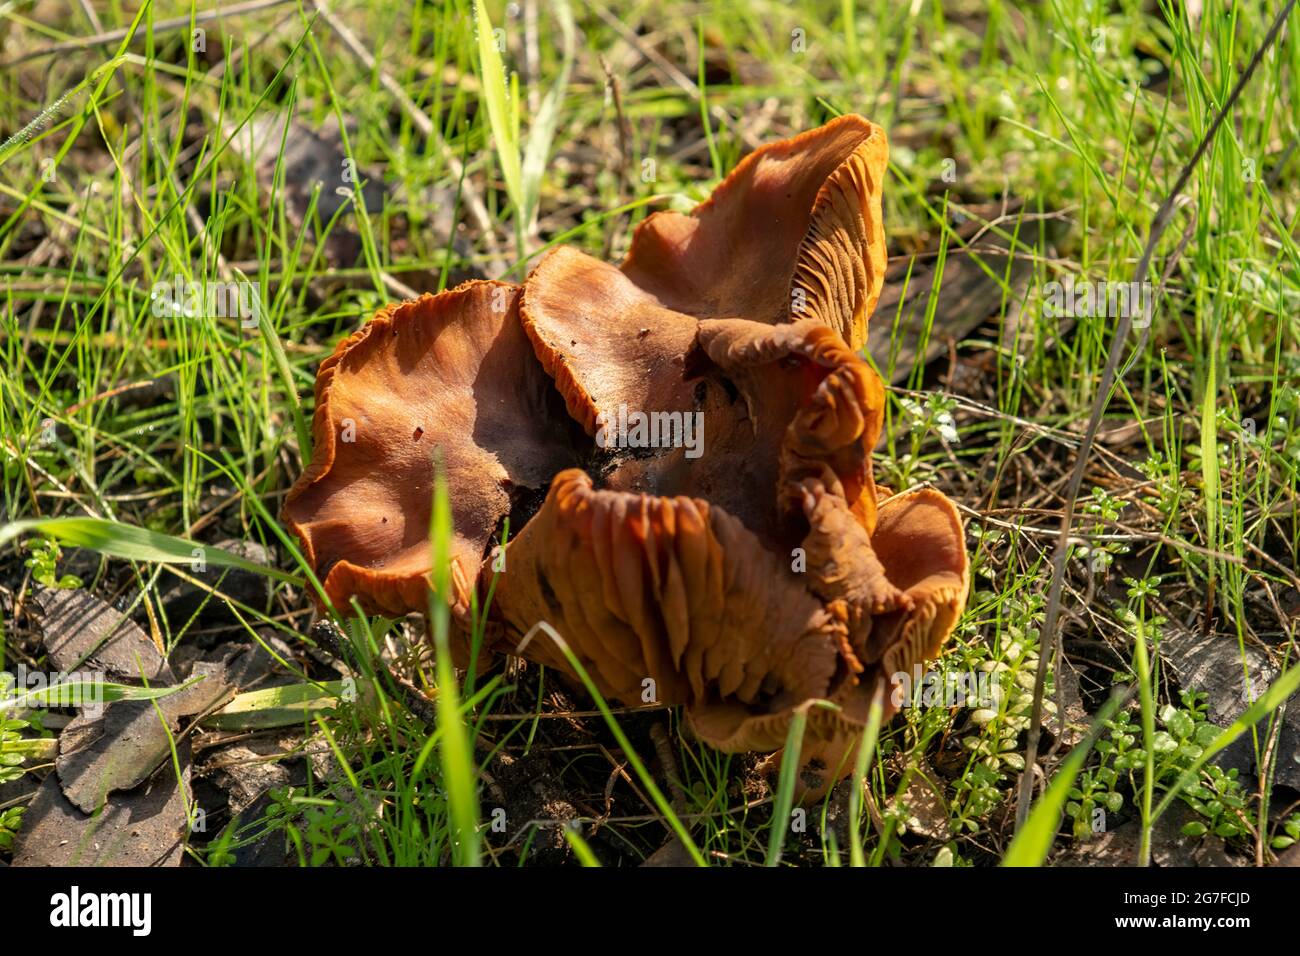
x,y
289,705
1212,664
121,748
80,630
146,827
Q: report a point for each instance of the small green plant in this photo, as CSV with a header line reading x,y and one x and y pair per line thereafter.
x,y
1185,731
997,745
44,562
11,759
977,794
1219,797
1290,834
992,730
10,821
11,735
1105,510
1095,795
934,416
1164,490
321,831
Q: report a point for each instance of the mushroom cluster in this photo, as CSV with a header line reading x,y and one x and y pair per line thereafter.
x,y
682,446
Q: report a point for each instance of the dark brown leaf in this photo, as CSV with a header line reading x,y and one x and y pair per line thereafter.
x,y
82,631
144,827
131,741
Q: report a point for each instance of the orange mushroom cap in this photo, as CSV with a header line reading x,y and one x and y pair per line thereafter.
x,y
745,582
448,376
794,232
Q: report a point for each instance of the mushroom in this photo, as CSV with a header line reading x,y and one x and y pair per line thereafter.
x,y
449,377
742,580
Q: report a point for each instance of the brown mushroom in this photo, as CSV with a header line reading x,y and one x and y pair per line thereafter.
x,y
744,582
449,375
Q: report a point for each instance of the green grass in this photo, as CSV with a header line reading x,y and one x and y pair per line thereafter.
x,y
124,167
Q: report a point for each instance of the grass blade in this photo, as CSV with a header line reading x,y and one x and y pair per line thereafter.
x,y
287,706
785,787
866,749
1210,477
267,329
492,74
83,692
456,750
581,849
126,541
